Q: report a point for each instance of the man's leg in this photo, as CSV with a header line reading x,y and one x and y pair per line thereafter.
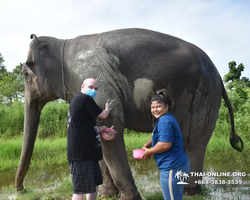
x,y
92,196
78,197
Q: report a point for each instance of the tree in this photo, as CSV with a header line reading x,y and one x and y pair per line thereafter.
x,y
246,81
237,86
2,67
233,77
12,86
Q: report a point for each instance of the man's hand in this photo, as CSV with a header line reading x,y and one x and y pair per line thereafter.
x,y
108,107
111,104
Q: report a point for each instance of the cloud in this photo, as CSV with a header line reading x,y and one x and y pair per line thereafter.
x,y
220,28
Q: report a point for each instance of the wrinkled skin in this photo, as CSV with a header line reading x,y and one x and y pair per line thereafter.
x,y
130,64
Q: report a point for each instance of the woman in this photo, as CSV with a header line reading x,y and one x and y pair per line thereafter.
x,y
167,146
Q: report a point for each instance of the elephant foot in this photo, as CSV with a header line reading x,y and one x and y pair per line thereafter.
x,y
138,197
107,192
192,190
19,188
104,192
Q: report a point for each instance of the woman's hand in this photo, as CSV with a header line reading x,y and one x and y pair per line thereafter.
x,y
147,154
148,144
160,147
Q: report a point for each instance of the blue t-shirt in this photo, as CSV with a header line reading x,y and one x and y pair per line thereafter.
x,y
167,130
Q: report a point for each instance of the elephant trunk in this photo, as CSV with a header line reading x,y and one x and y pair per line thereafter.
x,y
32,115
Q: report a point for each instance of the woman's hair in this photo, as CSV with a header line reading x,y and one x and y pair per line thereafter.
x,y
162,96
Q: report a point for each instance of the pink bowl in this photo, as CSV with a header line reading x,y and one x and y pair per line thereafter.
x,y
107,133
137,153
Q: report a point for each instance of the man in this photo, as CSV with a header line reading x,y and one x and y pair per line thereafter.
x,y
84,143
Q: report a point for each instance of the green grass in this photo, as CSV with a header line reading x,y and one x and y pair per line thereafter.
x,y
219,150
135,140
11,119
51,153
47,152
53,120
63,191
10,151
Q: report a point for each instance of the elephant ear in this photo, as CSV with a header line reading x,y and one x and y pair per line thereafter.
x,y
33,52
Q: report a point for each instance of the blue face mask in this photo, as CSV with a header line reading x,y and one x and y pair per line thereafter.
x,y
91,93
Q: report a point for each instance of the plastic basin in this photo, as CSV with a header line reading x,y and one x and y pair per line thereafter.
x,y
137,153
107,133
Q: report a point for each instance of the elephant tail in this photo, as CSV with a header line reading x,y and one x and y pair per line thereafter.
x,y
235,140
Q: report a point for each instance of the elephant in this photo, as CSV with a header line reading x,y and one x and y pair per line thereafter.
x,y
130,65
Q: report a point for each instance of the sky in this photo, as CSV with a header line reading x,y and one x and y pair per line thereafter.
x,y
220,28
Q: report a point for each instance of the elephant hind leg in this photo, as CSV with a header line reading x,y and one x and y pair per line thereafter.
x,y
196,159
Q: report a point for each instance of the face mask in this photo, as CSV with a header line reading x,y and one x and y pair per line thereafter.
x,y
91,93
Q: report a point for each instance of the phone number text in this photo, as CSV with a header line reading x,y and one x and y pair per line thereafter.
x,y
218,182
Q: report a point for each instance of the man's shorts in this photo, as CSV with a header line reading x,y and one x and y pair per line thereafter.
x,y
86,176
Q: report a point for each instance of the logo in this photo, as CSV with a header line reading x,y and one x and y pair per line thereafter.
x,y
182,177
69,119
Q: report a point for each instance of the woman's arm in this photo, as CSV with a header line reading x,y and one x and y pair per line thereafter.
x,y
148,144
160,147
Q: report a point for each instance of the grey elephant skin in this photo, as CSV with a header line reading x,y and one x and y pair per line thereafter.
x,y
130,65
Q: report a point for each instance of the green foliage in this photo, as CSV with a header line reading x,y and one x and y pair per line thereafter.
x,y
135,140
238,91
12,86
155,195
10,151
246,81
234,75
53,120
11,119
234,72
3,71
2,67
49,152
239,98
238,95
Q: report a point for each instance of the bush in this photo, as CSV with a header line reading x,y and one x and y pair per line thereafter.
x,y
11,119
241,106
53,120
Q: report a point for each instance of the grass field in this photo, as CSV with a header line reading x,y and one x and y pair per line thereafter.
x,y
51,153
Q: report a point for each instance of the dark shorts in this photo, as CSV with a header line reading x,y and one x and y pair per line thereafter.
x,y
86,176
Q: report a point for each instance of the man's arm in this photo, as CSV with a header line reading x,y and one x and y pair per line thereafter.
x,y
104,114
108,107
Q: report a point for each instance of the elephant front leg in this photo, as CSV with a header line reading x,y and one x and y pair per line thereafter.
x,y
108,187
115,157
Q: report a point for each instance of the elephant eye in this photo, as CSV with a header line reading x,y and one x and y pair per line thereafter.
x,y
26,75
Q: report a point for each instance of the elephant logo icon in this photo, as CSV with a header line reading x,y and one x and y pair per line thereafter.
x,y
182,177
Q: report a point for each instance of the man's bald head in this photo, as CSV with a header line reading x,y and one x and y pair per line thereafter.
x,y
89,83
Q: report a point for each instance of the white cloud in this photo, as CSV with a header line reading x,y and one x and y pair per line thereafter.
x,y
220,28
